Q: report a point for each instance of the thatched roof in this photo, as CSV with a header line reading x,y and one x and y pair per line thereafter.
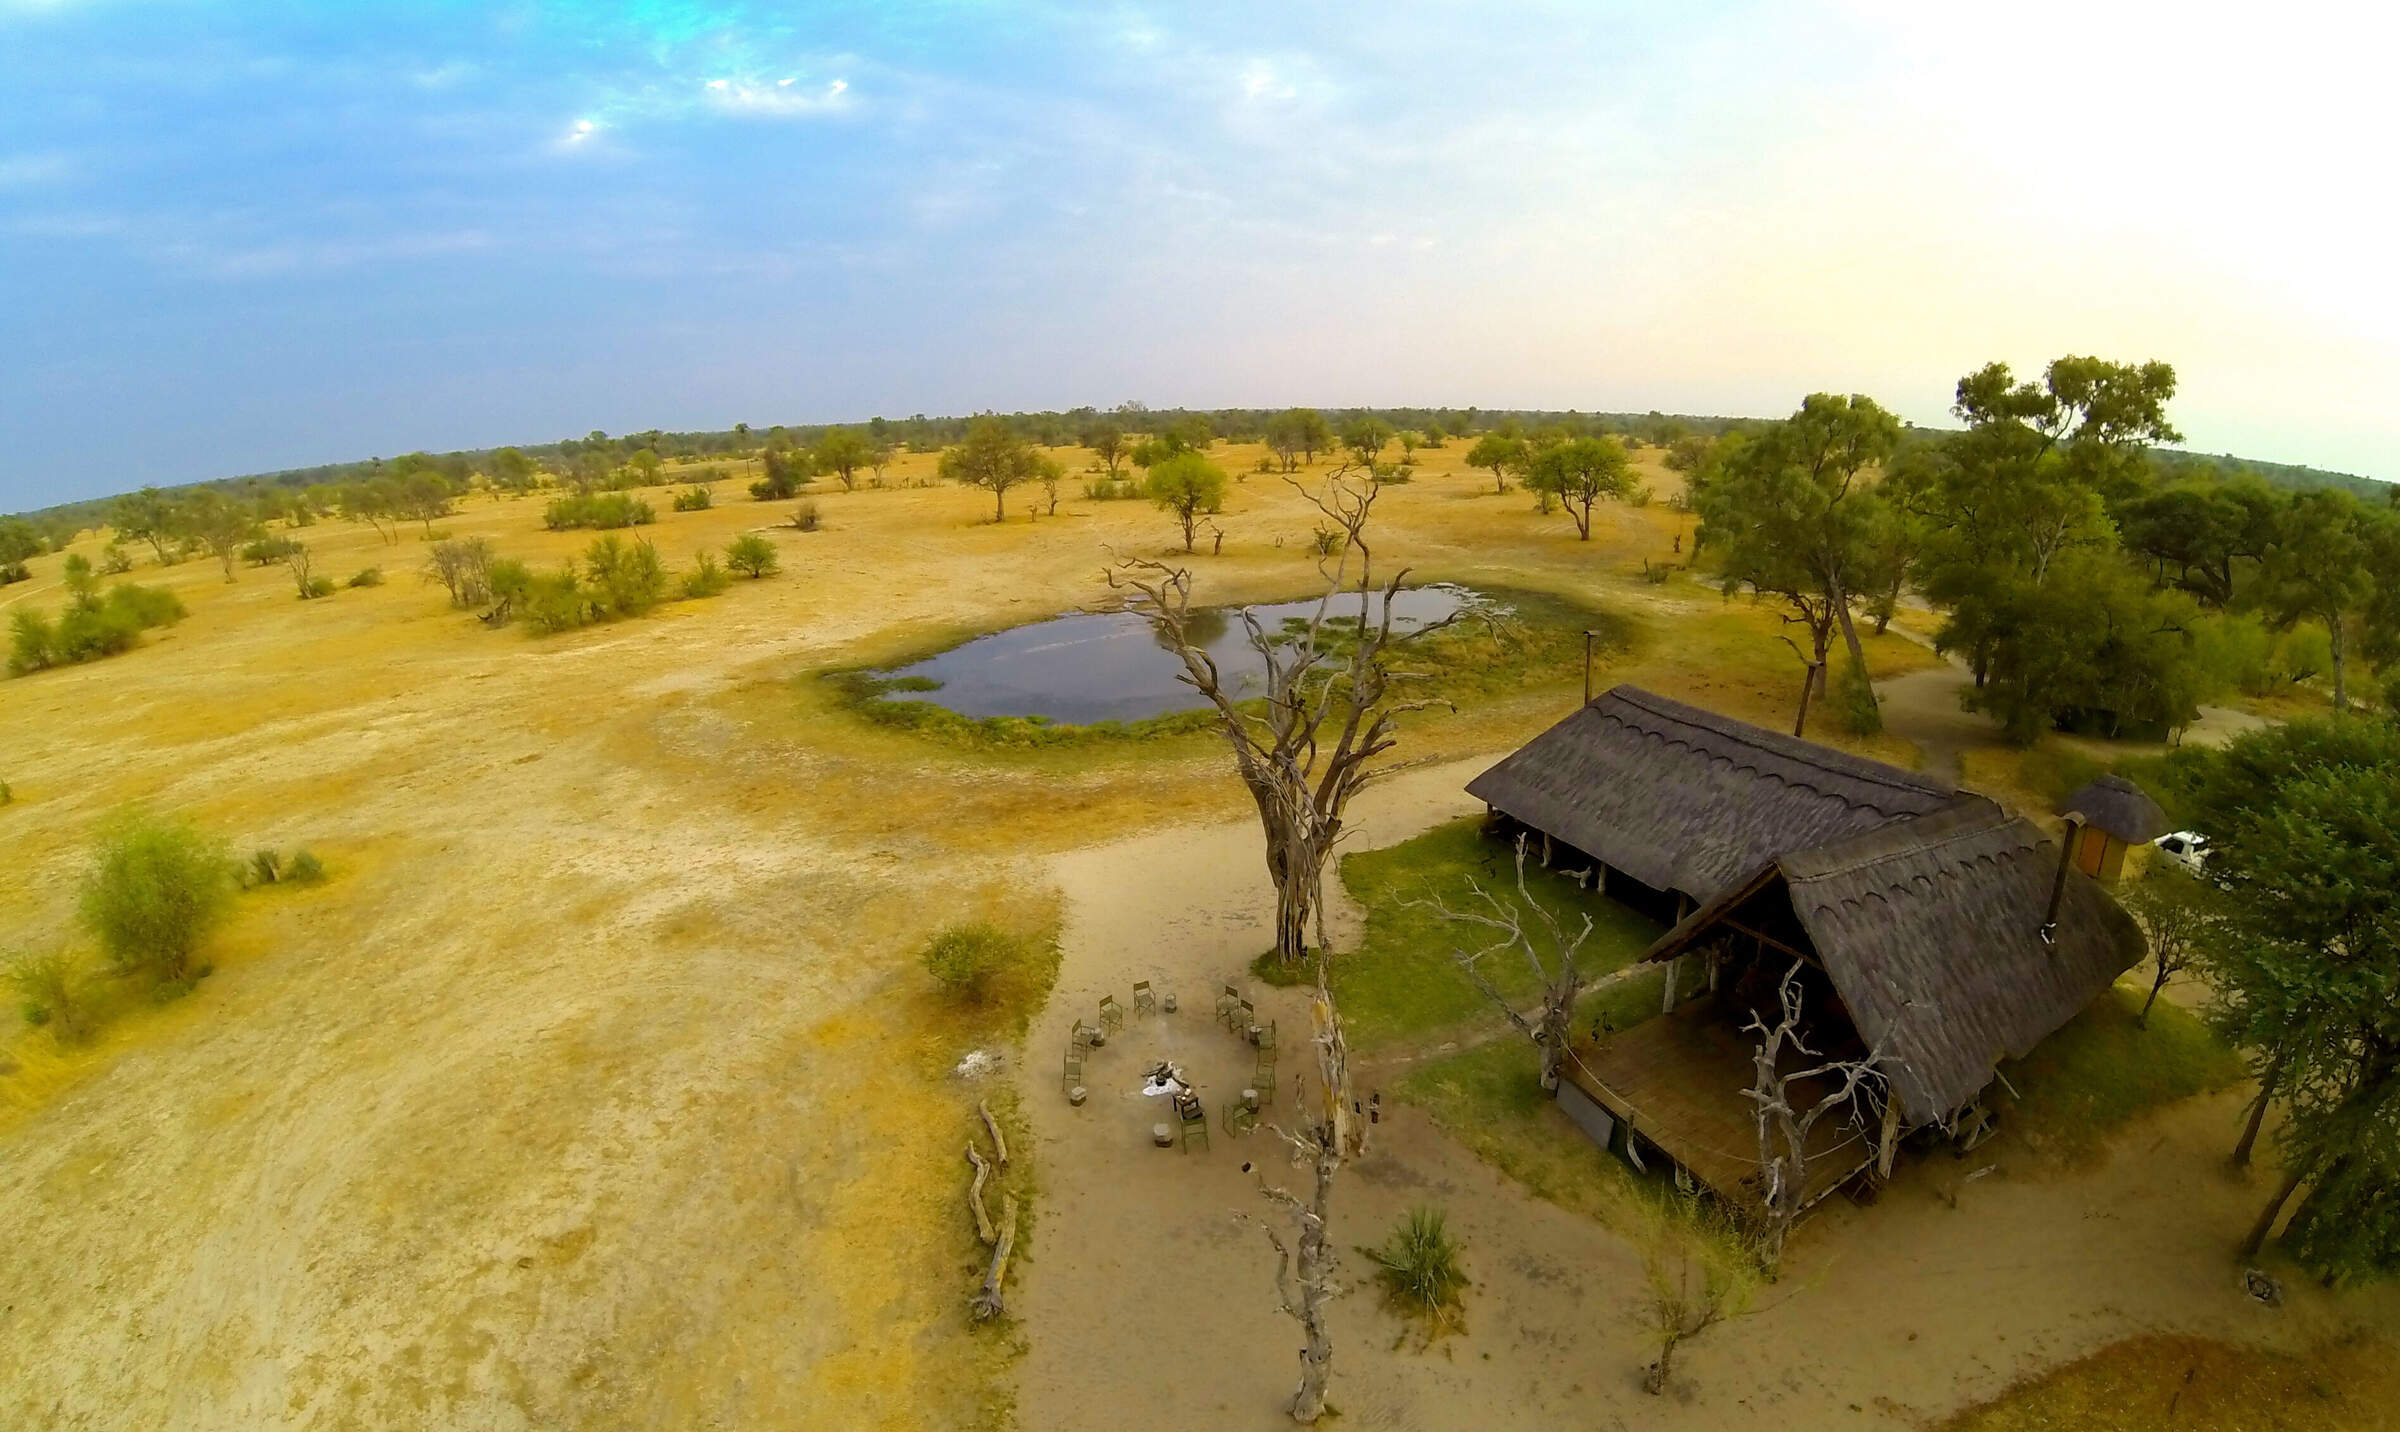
x,y
2119,807
1931,930
1684,799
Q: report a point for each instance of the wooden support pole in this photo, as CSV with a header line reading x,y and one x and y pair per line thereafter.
x,y
1667,1006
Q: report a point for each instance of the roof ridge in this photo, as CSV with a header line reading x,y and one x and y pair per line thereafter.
x,y
1793,748
1972,818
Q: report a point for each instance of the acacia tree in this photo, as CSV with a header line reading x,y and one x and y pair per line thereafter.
x,y
842,453
1304,1269
993,458
1188,487
1578,473
1555,973
1503,453
2182,916
1366,438
2301,818
1331,698
146,516
218,523
1107,442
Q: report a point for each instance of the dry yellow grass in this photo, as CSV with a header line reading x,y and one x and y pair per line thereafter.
x,y
597,1086
2150,1384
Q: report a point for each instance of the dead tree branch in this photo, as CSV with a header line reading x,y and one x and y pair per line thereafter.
x,y
1556,974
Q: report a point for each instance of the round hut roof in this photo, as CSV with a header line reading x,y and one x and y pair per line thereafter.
x,y
2120,807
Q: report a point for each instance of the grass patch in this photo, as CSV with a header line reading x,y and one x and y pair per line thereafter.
x,y
1402,979
2102,1070
2148,1384
1490,1099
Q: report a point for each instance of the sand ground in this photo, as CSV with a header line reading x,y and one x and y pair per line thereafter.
x,y
598,1088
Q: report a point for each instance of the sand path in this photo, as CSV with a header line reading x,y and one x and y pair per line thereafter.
x,y
1149,1305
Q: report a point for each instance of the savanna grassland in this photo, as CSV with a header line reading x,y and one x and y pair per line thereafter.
x,y
598,1085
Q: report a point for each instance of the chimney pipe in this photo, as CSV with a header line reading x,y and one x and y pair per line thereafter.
x,y
2058,885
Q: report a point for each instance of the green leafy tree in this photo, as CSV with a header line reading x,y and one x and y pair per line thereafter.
x,y
2203,535
625,579
2318,569
512,471
19,542
1578,473
993,458
1188,487
158,888
843,452
753,555
1503,453
2300,819
218,523
1366,438
967,959
1107,442
146,516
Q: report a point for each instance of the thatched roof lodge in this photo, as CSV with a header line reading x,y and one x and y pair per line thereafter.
x,y
1927,928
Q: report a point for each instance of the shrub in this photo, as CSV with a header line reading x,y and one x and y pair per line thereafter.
x,y
965,958
32,642
316,587
626,580
157,888
265,867
1418,1267
753,555
695,499
602,510
304,868
463,566
367,577
89,633
50,994
266,551
1326,541
806,518
553,601
146,606
706,578
115,561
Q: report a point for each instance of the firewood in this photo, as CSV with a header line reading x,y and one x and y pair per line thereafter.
x,y
999,1143
983,1220
987,1304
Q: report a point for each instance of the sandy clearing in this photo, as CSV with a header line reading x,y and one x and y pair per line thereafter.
x,y
1153,1308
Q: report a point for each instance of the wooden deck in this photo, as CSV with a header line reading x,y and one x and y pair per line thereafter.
x,y
1678,1081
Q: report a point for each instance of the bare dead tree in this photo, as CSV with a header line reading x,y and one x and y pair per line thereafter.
x,y
1304,1268
1331,698
1556,973
1783,1129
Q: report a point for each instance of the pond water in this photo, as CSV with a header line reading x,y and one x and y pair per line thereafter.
x,y
1115,666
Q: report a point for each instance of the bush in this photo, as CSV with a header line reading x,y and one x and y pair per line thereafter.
x,y
145,606
463,566
50,994
32,642
602,510
115,561
553,601
806,518
267,551
157,888
965,958
265,867
304,868
753,555
367,577
626,580
706,579
316,587
695,499
1418,1267
1326,541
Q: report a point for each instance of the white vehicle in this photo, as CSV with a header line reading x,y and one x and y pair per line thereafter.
x,y
2187,848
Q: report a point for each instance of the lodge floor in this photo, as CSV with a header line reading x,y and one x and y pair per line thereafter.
x,y
1679,1082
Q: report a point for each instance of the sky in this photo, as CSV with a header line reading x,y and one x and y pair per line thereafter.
x,y
238,237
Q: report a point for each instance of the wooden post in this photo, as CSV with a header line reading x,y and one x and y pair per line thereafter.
x,y
1667,1006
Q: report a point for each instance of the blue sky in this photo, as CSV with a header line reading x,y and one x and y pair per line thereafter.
x,y
240,236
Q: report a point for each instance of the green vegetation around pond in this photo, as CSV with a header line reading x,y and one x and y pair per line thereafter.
x,y
1403,979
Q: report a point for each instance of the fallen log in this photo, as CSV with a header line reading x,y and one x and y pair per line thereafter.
x,y
999,1144
983,1220
987,1304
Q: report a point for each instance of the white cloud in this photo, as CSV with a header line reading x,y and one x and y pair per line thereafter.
x,y
780,99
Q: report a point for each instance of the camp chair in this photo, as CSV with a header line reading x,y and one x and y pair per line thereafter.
x,y
1073,1074
1264,1080
1266,1041
1195,1126
1227,1004
1081,1039
1112,1014
1143,1000
1247,1014
1240,1118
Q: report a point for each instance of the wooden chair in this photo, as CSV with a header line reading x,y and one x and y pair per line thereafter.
x,y
1195,1125
1144,1002
1112,1014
